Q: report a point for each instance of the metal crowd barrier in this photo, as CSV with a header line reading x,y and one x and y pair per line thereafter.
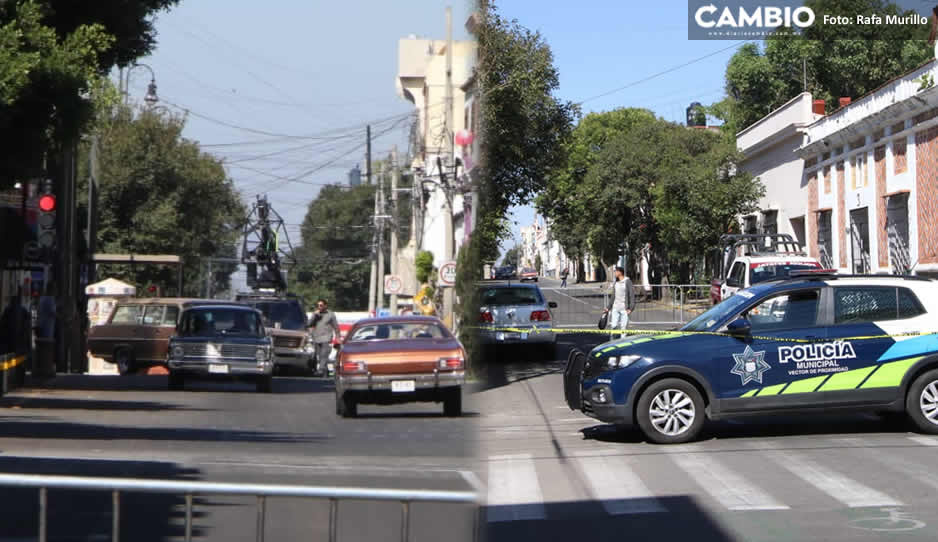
x,y
656,305
261,491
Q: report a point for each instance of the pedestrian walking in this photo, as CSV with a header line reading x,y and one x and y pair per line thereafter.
x,y
563,277
324,326
622,301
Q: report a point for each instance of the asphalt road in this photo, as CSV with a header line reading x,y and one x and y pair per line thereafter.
x,y
225,432
555,474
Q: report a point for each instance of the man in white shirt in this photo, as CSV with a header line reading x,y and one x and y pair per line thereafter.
x,y
622,302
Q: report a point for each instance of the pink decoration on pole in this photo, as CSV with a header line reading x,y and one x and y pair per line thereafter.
x,y
464,137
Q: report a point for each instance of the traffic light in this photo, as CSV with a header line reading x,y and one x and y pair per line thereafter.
x,y
46,218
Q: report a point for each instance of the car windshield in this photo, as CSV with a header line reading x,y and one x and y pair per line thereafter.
x,y
511,296
771,271
718,312
398,331
210,322
282,314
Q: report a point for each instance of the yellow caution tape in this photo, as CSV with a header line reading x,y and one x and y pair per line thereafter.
x,y
675,333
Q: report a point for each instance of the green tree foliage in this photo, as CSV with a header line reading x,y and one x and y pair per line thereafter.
x,y
53,54
424,265
523,124
336,249
512,256
847,61
538,263
159,194
567,199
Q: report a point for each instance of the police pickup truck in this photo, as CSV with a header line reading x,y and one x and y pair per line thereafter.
x,y
816,341
758,258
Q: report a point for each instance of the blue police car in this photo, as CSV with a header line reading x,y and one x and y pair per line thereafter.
x,y
815,342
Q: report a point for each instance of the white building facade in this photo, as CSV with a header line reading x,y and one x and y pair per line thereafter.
x,y
860,187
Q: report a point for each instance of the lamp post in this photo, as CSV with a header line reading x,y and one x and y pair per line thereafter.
x,y
151,97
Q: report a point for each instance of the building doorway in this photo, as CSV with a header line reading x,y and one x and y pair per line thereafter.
x,y
860,240
897,232
797,228
825,244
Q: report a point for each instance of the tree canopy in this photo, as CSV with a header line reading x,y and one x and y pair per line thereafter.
x,y
840,61
512,256
53,55
160,194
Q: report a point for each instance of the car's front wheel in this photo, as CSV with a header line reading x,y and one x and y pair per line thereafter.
x,y
264,384
124,359
670,411
921,402
452,403
176,381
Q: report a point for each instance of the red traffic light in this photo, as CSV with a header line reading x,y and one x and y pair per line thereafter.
x,y
47,203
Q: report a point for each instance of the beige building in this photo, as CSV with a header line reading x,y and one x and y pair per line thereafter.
x,y
422,81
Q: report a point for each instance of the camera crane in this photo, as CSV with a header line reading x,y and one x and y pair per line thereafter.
x,y
261,248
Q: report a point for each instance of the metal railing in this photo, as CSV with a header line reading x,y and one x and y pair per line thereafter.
x,y
655,305
136,485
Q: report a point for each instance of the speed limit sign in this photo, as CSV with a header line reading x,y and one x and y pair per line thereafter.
x,y
448,273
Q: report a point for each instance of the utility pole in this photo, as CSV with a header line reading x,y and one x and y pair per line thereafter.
x,y
368,153
448,293
381,217
395,176
92,209
372,285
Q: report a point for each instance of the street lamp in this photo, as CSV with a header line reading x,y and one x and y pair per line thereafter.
x,y
151,97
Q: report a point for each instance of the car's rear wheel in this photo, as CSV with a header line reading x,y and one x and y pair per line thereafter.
x,y
921,402
176,381
124,359
264,384
346,405
452,403
670,411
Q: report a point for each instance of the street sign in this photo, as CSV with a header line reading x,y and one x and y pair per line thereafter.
x,y
393,284
448,274
384,313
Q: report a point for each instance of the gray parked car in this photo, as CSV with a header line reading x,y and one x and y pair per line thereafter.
x,y
221,341
521,308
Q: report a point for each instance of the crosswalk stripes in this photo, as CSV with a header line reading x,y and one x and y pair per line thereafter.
x,y
842,488
617,486
514,492
729,488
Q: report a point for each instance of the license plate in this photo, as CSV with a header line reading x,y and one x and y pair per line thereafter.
x,y
218,369
402,385
499,336
524,336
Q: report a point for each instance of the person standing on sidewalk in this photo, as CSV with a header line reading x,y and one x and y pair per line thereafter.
x,y
324,326
622,301
563,277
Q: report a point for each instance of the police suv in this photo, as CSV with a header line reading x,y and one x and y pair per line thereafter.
x,y
817,341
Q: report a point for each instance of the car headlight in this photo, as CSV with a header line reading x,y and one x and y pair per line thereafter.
x,y
621,361
178,352
261,354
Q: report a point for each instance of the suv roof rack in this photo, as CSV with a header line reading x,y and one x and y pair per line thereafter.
x,y
833,274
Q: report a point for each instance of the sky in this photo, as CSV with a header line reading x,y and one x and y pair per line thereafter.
x,y
604,45
262,79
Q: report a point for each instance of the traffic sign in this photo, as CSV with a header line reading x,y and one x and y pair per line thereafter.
x,y
448,273
393,284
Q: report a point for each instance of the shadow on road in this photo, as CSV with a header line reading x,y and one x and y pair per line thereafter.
x,y
405,415
505,364
778,426
61,403
17,427
159,382
86,515
662,518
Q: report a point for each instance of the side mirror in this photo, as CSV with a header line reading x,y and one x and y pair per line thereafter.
x,y
552,304
732,282
739,328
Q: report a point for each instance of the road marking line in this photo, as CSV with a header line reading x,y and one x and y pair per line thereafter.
x,y
575,299
514,492
924,441
617,487
840,487
728,487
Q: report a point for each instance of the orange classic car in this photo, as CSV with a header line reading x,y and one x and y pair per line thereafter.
x,y
400,360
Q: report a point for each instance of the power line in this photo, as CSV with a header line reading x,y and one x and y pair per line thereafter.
x,y
659,74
